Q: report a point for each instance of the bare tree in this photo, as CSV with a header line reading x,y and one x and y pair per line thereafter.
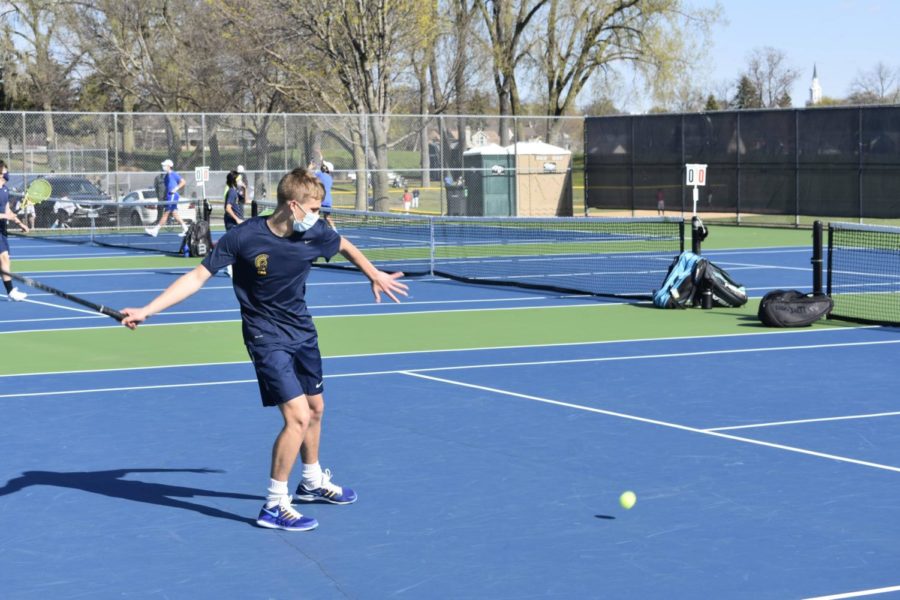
x,y
460,45
771,76
880,85
506,22
582,37
49,63
361,42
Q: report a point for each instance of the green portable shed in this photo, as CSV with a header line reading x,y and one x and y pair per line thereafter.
x,y
490,177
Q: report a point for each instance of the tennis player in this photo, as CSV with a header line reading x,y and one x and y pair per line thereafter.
x,y
234,210
6,215
272,257
174,184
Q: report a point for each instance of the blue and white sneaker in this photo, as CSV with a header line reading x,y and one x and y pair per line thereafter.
x,y
283,516
326,492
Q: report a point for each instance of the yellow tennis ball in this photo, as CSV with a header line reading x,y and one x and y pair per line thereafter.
x,y
627,499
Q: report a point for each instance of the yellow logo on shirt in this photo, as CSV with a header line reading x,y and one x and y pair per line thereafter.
x,y
262,264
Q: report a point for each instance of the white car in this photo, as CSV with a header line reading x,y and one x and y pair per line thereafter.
x,y
139,208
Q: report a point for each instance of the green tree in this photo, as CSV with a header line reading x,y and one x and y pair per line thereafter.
x,y
711,103
747,95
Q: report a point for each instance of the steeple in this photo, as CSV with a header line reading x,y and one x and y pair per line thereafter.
x,y
815,90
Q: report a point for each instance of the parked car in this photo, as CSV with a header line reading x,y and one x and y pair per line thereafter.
x,y
139,208
74,201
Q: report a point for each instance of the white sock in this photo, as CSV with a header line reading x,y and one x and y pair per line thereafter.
x,y
312,475
278,490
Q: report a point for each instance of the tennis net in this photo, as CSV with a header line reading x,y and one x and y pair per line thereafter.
x,y
112,224
864,272
625,258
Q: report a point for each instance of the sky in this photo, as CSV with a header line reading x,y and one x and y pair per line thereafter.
x,y
841,37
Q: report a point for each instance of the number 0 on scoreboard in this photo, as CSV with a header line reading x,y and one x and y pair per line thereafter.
x,y
695,174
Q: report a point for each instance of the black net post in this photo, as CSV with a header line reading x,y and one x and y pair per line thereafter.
x,y
254,209
817,258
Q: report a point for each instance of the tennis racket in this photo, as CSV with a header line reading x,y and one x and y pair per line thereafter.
x,y
109,312
38,191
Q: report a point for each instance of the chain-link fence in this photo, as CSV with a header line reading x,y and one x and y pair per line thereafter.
x,y
433,164
769,166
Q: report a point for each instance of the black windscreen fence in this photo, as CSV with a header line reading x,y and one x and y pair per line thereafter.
x,y
780,166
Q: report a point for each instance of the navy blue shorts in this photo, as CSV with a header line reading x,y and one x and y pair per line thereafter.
x,y
4,243
283,374
172,201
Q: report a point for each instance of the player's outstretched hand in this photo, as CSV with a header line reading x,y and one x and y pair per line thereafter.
x,y
133,317
387,283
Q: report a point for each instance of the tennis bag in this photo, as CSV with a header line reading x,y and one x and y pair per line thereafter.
x,y
681,287
197,240
725,291
790,308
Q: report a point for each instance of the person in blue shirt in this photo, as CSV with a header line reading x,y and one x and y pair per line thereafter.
x,y
7,215
174,184
323,173
272,258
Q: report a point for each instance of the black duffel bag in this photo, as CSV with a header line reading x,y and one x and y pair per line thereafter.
x,y
790,308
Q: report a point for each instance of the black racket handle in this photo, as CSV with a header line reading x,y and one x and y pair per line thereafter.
x,y
109,312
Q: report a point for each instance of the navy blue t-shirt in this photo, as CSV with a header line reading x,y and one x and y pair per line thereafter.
x,y
269,278
4,202
232,199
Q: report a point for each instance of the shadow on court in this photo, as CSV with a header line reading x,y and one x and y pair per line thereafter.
x,y
112,484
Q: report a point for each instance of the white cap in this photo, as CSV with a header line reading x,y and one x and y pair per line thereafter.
x,y
328,166
240,169
167,163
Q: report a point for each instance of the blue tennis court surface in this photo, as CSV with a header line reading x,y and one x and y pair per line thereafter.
x,y
765,464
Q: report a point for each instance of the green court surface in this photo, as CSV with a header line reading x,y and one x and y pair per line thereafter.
x,y
220,341
117,347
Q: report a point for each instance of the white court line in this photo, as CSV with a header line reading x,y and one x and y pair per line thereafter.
x,y
419,373
489,366
871,592
319,317
135,291
68,255
769,250
93,313
473,349
657,422
734,266
802,421
320,307
132,388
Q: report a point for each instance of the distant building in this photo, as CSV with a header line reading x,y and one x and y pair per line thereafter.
x,y
815,90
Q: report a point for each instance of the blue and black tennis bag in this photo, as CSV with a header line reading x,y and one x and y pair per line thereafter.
x,y
689,276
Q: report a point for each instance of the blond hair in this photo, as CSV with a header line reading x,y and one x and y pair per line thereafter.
x,y
300,185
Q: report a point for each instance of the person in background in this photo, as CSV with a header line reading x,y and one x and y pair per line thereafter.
x,y
242,185
324,175
415,199
6,215
660,202
407,199
234,210
174,184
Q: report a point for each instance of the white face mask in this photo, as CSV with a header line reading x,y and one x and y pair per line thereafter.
x,y
307,223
